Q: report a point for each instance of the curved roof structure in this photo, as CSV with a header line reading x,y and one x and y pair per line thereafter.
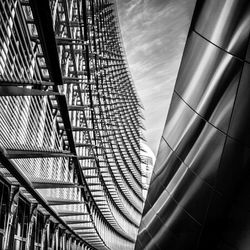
x,y
70,121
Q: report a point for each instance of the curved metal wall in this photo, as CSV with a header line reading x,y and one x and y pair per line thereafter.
x,y
199,192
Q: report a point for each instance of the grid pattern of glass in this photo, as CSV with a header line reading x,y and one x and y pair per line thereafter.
x,y
70,120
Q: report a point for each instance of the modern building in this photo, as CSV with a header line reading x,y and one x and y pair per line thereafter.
x,y
70,119
147,164
199,195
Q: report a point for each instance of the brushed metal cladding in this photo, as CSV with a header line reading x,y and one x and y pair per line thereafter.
x,y
170,226
225,23
234,165
241,114
208,79
238,219
227,224
189,190
199,196
162,173
196,142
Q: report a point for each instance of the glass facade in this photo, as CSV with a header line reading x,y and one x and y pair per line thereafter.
x,y
70,124
4,192
147,164
198,197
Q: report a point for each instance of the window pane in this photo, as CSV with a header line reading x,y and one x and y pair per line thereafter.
x,y
20,213
26,220
1,201
39,227
4,208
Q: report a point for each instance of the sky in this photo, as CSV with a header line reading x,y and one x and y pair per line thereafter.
x,y
154,34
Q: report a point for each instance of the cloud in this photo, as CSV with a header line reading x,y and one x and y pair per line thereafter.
x,y
154,34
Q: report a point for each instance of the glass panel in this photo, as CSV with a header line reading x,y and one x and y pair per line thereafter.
x,y
51,233
4,207
22,224
20,217
1,198
39,228
26,220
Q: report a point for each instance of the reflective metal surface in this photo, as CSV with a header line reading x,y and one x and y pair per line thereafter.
x,y
241,114
208,79
199,193
226,23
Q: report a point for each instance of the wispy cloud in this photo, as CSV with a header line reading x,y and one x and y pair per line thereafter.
x,y
154,34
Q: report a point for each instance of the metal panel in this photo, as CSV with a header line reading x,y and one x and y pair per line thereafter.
x,y
208,80
199,193
241,117
225,23
164,170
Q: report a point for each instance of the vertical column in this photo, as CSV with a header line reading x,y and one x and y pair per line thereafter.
x,y
30,244
55,240
45,234
68,242
63,241
12,211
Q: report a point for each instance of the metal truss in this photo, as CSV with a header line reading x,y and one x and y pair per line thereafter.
x,y
70,119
